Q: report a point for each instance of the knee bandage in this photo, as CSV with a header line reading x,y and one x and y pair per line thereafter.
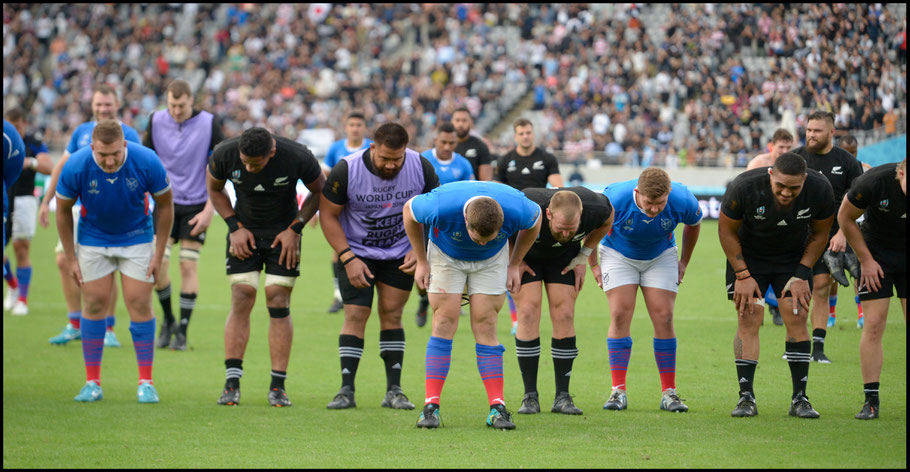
x,y
279,312
189,255
283,281
167,251
248,278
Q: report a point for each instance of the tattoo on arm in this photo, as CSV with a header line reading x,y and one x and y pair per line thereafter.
x,y
791,339
737,347
739,257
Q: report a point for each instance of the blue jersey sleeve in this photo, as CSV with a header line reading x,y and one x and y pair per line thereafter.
x,y
692,213
158,182
130,134
425,209
68,184
334,153
13,153
73,145
530,214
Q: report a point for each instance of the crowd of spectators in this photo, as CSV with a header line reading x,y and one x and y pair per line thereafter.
x,y
641,84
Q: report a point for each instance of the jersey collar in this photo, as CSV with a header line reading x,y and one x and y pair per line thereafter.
x,y
125,156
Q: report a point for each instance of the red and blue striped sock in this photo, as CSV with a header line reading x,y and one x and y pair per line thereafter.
x,y
439,358
489,363
859,306
619,349
92,347
143,341
665,355
110,321
8,275
24,274
75,318
513,312
832,304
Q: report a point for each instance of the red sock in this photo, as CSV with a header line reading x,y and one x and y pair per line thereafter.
x,y
434,389
667,380
859,309
619,378
76,322
145,373
13,283
93,373
494,390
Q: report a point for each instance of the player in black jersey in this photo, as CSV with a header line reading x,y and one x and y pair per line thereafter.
x,y
22,221
841,169
263,229
773,226
472,147
574,221
881,246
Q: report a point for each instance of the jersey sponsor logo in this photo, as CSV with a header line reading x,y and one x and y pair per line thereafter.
x,y
628,225
511,167
760,212
280,181
836,170
557,244
804,213
647,221
112,180
456,236
579,236
666,223
525,171
471,153
883,205
235,174
259,188
132,183
93,187
782,223
538,165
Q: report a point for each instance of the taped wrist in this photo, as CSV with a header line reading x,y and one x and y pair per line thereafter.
x,y
233,223
803,272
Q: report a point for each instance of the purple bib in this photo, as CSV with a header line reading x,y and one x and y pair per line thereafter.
x,y
371,218
184,151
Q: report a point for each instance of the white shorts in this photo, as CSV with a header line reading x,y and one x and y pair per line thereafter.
x,y
24,217
77,210
618,270
133,261
449,275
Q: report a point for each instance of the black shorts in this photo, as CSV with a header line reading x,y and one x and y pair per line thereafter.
x,y
182,227
894,265
264,254
777,279
386,272
549,269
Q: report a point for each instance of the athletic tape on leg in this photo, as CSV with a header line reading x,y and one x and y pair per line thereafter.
x,y
248,278
271,279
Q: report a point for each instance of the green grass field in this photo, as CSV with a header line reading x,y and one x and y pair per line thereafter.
x,y
44,428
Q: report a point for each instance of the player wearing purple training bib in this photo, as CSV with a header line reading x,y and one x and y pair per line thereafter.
x,y
360,213
469,224
112,177
640,251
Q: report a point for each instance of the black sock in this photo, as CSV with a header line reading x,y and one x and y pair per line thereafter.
x,y
278,379
187,303
391,350
528,359
564,353
745,370
798,355
871,391
233,370
818,340
350,348
164,296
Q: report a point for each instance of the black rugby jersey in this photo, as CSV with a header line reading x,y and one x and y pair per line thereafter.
x,y
771,233
879,193
476,152
522,172
838,166
596,210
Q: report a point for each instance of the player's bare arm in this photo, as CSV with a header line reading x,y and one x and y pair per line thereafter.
x,y
289,239
329,219
589,251
241,238
690,237
745,288
64,218
523,243
164,203
871,270
50,190
414,230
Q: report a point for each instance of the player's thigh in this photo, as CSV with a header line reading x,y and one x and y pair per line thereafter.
x,y
447,275
392,286
537,265
662,272
561,299
659,302
95,262
25,217
528,300
617,270
133,261
96,294
552,268
351,295
488,277
182,227
485,307
391,300
137,296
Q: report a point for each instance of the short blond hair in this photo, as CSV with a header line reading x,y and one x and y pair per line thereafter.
x,y
566,203
107,132
484,216
654,183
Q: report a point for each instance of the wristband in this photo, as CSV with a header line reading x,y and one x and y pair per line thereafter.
x,y
342,252
32,162
233,223
803,272
744,278
298,227
741,270
344,263
586,251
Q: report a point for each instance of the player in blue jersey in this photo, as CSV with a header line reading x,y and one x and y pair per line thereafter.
x,y
450,167
469,227
355,128
111,177
105,106
25,205
640,251
13,155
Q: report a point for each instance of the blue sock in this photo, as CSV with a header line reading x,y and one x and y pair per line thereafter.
x,y
770,297
110,321
665,355
75,318
438,360
92,347
8,272
832,300
511,303
143,342
24,274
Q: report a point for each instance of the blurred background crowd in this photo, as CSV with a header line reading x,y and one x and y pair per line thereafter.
x,y
634,84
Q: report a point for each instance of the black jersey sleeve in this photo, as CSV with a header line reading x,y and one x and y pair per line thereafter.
x,y
336,185
308,168
501,168
217,132
483,153
732,202
147,139
862,192
430,179
218,163
551,164
823,199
